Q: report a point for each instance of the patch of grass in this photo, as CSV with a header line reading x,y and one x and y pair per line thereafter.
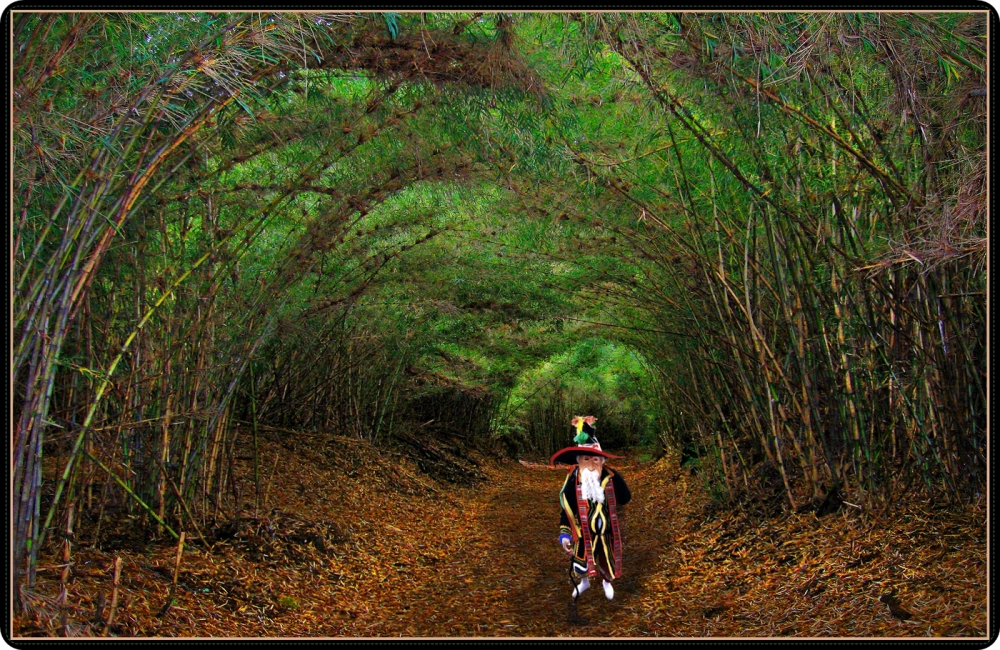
x,y
288,602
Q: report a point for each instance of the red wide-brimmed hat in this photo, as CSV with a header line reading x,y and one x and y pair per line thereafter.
x,y
586,443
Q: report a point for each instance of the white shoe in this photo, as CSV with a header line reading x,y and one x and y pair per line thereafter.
x,y
582,587
609,591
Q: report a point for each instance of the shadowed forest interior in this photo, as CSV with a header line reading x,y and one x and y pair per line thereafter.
x,y
292,293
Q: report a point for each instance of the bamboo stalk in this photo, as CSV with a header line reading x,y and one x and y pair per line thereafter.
x,y
115,582
134,496
256,449
173,584
64,574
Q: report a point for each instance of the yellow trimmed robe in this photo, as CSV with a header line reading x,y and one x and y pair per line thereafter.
x,y
602,534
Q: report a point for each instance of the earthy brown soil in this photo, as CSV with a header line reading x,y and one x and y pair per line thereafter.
x,y
356,542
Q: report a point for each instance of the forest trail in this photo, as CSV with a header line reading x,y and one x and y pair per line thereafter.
x,y
356,542
506,575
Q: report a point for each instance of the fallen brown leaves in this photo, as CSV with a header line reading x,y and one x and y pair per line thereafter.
x,y
356,542
799,575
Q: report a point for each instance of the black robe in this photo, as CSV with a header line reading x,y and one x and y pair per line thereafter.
x,y
598,520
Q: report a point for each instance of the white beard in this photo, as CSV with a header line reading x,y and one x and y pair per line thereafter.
x,y
590,485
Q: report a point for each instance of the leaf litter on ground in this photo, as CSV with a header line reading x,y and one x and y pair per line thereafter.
x,y
353,541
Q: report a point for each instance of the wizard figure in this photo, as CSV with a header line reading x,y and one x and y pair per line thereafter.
x,y
590,499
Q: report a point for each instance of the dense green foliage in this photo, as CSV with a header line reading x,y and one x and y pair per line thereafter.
x,y
758,239
594,376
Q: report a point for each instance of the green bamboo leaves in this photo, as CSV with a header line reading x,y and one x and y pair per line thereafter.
x,y
802,366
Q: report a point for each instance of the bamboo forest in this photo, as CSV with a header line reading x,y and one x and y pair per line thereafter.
x,y
311,311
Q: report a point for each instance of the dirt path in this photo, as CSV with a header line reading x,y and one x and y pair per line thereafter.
x,y
484,562
506,575
352,543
